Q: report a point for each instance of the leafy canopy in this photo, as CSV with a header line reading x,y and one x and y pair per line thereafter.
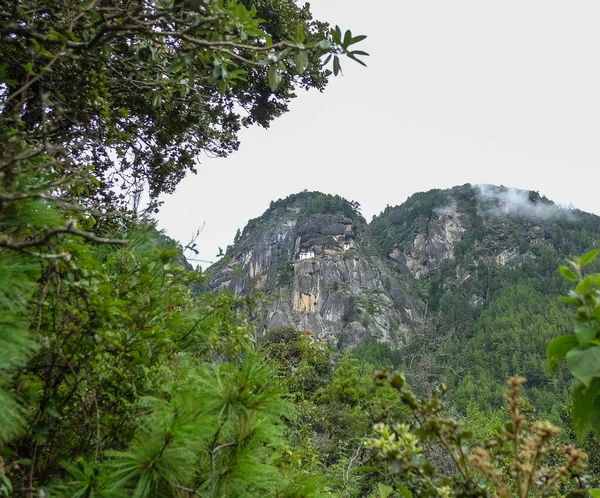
x,y
139,89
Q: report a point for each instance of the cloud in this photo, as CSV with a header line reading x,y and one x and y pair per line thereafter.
x,y
502,201
448,210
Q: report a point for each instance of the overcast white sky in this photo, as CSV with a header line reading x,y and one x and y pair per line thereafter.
x,y
455,92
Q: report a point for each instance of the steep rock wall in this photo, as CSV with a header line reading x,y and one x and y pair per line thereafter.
x,y
344,289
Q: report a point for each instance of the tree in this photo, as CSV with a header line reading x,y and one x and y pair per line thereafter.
x,y
98,315
138,387
139,89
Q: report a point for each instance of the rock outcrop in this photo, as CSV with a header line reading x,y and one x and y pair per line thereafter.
x,y
322,272
326,270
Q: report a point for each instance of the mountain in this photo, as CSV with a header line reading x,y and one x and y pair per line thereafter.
x,y
313,256
487,258
480,226
467,243
463,281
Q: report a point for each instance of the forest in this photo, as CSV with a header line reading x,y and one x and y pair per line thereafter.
x,y
121,376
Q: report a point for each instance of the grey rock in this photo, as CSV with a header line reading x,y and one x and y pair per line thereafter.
x,y
347,296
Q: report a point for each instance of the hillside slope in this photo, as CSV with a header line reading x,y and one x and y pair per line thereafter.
x,y
463,281
487,260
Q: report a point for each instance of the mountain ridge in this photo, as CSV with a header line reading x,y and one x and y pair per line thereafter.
x,y
327,270
314,258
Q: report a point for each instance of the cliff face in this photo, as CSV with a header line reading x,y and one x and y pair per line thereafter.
x,y
326,270
484,260
436,242
317,263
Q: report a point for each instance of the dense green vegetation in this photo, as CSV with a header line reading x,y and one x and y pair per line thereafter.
x,y
318,203
519,311
117,378
120,376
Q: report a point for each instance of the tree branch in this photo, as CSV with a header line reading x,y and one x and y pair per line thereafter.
x,y
6,242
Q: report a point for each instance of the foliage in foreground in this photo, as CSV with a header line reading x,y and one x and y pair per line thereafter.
x,y
106,349
582,348
142,388
520,460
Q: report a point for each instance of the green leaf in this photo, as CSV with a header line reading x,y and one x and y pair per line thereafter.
x,y
347,38
403,490
558,349
336,66
365,469
585,284
73,36
568,274
384,490
584,364
273,77
596,411
301,61
29,68
55,35
354,58
357,39
594,493
570,300
588,257
6,481
336,35
581,412
585,335
584,411
35,43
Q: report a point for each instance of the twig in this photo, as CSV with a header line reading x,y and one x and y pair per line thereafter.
x,y
356,455
193,492
31,471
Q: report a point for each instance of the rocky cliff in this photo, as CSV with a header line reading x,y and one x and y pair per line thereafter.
x,y
313,257
326,270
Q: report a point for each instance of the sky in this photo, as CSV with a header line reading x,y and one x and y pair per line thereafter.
x,y
504,93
